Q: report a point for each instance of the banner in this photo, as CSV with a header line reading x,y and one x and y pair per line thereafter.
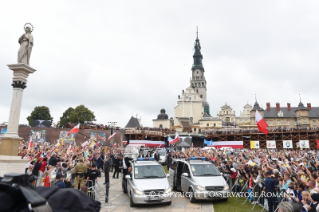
x,y
254,145
287,144
271,144
3,131
38,135
304,144
185,141
232,144
67,139
149,143
41,123
98,137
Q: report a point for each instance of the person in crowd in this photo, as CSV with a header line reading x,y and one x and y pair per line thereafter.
x,y
32,182
156,156
46,182
42,168
91,179
141,155
59,181
270,189
117,162
106,169
148,154
80,171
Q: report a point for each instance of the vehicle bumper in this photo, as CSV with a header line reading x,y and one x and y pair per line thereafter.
x,y
207,195
144,199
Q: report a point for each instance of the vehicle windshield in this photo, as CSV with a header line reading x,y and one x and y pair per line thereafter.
x,y
132,150
149,171
204,170
162,153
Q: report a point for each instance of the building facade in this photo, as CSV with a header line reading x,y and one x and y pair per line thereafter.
x,y
162,120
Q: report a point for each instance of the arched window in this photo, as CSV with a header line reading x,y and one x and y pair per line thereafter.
x,y
203,84
160,126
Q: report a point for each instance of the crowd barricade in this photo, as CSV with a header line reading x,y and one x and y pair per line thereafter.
x,y
97,192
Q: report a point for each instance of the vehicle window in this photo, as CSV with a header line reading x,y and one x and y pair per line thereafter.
x,y
204,170
186,169
149,171
162,153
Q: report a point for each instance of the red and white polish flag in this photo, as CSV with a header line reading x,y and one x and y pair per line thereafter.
x,y
74,130
30,143
175,140
261,123
111,136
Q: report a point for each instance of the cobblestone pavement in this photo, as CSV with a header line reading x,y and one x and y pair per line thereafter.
x,y
119,202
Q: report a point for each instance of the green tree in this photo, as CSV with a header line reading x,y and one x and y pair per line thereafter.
x,y
78,115
65,117
40,113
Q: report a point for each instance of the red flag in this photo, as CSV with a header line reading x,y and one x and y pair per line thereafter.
x,y
317,144
175,140
74,130
30,143
111,136
261,123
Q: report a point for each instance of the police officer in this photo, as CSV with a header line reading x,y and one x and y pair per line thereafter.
x,y
92,176
79,171
270,189
126,164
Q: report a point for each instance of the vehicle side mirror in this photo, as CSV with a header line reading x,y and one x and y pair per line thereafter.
x,y
185,174
127,177
168,175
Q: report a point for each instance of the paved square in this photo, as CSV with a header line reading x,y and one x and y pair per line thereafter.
x,y
120,202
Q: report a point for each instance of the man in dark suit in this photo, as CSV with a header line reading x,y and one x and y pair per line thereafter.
x,y
116,162
156,156
141,155
106,169
168,160
125,165
148,154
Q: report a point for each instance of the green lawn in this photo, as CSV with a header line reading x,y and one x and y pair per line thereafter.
x,y
231,205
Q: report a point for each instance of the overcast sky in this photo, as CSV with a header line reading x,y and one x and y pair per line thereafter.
x,y
120,58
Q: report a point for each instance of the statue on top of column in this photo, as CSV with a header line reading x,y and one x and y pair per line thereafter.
x,y
26,43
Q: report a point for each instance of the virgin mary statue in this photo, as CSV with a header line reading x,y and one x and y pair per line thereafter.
x,y
26,44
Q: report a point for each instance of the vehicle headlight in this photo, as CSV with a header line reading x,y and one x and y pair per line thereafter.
x,y
200,188
169,190
226,187
138,192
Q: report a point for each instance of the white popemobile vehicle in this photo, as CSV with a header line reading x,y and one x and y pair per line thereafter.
x,y
199,178
148,183
162,155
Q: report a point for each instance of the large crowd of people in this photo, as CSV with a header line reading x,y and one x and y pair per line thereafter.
x,y
291,173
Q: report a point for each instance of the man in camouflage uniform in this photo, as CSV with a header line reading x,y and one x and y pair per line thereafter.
x,y
79,171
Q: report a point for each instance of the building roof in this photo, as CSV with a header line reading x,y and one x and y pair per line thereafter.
x,y
133,123
273,113
162,115
257,107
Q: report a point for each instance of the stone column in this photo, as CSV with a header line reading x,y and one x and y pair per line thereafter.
x,y
9,159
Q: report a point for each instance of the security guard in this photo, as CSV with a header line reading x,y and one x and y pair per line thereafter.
x,y
92,176
79,171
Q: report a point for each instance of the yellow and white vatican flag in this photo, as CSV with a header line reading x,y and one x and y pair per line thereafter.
x,y
254,145
287,144
92,144
304,144
271,144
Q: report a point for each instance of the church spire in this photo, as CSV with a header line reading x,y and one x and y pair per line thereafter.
x,y
197,54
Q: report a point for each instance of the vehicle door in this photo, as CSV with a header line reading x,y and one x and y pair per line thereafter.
x,y
171,172
185,181
130,181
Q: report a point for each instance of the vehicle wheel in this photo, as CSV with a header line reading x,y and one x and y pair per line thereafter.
x,y
191,195
131,201
169,203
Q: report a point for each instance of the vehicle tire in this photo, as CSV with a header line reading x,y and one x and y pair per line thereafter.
x,y
168,203
191,196
131,201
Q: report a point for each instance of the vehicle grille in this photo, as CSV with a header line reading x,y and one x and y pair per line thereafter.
x,y
154,192
214,188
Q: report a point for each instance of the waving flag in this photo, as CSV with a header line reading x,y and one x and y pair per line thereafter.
x,y
175,140
92,144
74,130
208,143
261,123
85,144
111,136
30,143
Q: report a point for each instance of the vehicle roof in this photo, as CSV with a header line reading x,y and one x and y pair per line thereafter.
x,y
193,161
141,163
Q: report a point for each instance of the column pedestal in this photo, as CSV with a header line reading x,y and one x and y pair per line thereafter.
x,y
9,159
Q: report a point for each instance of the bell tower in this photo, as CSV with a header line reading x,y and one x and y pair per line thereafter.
x,y
198,81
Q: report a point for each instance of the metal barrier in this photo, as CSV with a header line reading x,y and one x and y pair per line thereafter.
x,y
95,190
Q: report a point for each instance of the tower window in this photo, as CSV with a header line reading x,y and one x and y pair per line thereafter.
x,y
207,125
160,126
203,84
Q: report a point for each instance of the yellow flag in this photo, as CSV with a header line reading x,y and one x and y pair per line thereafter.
x,y
105,149
62,141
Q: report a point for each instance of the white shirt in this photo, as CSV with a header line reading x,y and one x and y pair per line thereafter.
x,y
124,165
27,165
